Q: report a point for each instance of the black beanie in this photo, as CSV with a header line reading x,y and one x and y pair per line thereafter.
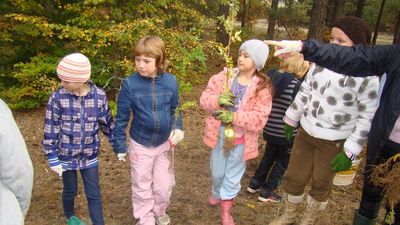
x,y
356,28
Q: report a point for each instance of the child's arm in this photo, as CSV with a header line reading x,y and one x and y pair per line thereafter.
x,y
51,139
176,123
51,127
209,97
255,119
367,102
296,109
122,119
106,121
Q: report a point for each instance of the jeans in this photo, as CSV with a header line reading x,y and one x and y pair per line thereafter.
x,y
277,157
90,179
372,195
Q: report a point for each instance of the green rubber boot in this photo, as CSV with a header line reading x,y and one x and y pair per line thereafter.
x,y
73,220
361,220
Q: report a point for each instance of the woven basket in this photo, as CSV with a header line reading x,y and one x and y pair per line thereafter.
x,y
347,178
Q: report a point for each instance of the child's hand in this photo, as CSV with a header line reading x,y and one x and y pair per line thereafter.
x,y
175,137
57,169
226,99
341,162
284,48
225,116
121,157
288,130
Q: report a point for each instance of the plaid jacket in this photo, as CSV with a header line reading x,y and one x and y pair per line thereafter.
x,y
71,127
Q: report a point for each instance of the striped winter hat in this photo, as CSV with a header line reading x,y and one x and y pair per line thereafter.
x,y
74,68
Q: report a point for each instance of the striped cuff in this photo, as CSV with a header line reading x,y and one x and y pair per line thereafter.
x,y
53,160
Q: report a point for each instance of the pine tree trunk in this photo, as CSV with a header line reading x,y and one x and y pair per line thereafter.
x,y
245,13
317,19
360,7
378,22
272,19
396,38
222,36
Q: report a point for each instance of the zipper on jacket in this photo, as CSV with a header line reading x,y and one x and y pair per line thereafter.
x,y
154,96
82,111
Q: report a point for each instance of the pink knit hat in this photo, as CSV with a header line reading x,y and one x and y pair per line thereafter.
x,y
74,68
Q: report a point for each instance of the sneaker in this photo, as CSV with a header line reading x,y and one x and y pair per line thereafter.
x,y
73,220
272,197
253,188
163,220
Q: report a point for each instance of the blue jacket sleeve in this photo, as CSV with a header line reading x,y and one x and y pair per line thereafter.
x,y
122,118
176,123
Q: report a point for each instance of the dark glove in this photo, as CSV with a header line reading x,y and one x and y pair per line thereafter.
x,y
225,116
226,99
288,130
341,162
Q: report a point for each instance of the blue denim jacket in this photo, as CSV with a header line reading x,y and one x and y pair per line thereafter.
x,y
153,102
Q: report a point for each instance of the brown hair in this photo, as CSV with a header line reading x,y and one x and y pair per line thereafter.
x,y
152,46
265,82
295,64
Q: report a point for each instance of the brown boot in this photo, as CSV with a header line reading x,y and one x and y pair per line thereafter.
x,y
314,208
225,212
289,215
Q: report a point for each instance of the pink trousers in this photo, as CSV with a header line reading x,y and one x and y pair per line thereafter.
x,y
152,181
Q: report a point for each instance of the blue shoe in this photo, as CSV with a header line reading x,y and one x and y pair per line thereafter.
x,y
73,220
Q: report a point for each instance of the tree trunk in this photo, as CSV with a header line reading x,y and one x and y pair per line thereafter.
x,y
289,4
396,38
317,19
222,36
335,12
360,7
245,13
272,19
378,22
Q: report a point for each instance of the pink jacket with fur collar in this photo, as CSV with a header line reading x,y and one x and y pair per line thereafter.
x,y
251,116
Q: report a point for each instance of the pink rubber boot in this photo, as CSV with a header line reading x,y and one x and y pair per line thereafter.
x,y
225,212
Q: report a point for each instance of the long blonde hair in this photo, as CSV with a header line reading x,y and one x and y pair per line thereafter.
x,y
295,64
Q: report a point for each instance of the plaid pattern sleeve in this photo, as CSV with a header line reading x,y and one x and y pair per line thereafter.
x,y
51,126
106,121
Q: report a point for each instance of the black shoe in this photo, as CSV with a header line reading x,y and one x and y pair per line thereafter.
x,y
253,188
272,197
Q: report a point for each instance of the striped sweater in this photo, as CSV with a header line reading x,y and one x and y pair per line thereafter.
x,y
286,86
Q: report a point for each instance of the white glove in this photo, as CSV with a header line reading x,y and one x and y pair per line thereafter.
x,y
57,169
284,47
121,156
175,137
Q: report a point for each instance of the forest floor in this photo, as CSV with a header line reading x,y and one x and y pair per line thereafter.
x,y
193,182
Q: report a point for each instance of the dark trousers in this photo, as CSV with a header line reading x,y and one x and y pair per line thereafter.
x,y
372,195
277,158
90,179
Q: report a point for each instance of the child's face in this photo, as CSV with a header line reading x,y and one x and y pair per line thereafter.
x,y
73,87
146,66
245,63
340,38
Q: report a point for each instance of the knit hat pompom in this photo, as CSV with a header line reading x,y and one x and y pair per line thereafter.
x,y
355,28
74,68
257,50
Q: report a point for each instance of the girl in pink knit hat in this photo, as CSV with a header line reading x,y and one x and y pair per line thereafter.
x,y
74,115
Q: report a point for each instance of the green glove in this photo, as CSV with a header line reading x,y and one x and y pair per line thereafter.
x,y
226,99
288,130
341,162
225,116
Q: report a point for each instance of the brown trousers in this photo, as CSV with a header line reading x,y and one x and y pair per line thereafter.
x,y
311,158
